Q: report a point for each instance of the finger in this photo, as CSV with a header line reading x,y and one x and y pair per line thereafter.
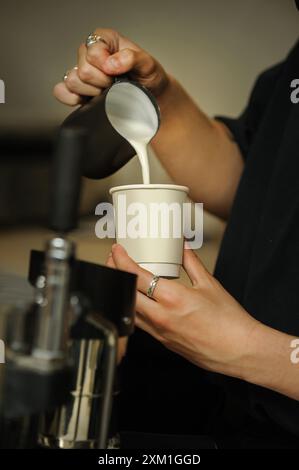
x,y
151,317
98,53
147,307
65,96
153,314
89,73
123,261
114,41
143,325
193,267
109,262
127,60
116,55
75,85
121,348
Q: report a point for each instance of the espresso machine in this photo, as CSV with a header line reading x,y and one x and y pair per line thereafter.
x,y
61,329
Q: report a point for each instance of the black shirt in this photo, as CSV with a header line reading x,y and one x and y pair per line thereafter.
x,y
259,265
259,257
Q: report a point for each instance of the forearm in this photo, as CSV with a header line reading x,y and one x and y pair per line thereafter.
x,y
268,361
197,151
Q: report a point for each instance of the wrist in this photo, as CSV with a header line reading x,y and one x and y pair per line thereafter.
x,y
168,93
266,355
240,357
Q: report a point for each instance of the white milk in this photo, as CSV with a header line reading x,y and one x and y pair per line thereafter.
x,y
134,117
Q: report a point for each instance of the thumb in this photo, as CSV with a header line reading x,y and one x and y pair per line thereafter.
x,y
193,267
127,60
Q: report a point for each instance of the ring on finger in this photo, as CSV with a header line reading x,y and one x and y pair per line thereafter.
x,y
66,74
93,39
152,286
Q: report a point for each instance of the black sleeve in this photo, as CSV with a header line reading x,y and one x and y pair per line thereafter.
x,y
246,125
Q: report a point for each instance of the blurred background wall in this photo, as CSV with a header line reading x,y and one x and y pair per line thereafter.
x,y
215,48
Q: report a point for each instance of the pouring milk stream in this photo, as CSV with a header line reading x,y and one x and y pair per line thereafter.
x,y
134,116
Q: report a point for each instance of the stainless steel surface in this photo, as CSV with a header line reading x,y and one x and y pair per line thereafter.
x,y
77,424
16,295
53,321
83,421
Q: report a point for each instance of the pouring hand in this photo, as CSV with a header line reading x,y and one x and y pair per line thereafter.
x,y
100,62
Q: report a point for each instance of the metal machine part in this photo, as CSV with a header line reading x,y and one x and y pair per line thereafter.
x,y
83,422
31,383
61,342
98,318
54,289
74,425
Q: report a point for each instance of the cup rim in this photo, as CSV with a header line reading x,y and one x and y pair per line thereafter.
x,y
149,186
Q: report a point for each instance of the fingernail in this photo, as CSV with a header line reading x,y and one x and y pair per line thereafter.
x,y
110,254
113,247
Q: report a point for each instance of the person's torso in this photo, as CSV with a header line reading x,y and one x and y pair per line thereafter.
x,y
259,257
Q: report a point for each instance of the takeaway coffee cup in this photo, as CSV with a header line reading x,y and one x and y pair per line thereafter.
x,y
149,224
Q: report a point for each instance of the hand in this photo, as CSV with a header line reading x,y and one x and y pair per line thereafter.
x,y
202,323
98,63
121,348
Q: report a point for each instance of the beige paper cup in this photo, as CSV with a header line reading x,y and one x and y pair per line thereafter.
x,y
149,225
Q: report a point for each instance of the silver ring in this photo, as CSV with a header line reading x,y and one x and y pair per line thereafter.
x,y
66,74
93,39
152,286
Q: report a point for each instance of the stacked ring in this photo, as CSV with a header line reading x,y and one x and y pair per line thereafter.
x,y
93,39
152,286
